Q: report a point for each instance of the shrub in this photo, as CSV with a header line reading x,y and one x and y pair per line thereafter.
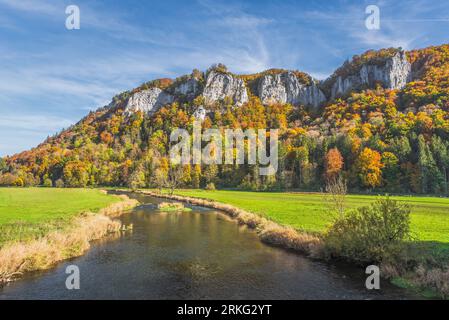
x,y
59,183
7,179
370,234
47,183
210,186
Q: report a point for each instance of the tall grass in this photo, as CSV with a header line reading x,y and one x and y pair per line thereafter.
x,y
17,258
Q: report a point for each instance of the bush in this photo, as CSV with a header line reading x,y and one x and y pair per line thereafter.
x,y
59,183
210,186
7,179
47,183
370,234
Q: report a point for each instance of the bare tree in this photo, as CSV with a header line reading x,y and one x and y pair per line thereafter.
x,y
174,179
159,178
335,195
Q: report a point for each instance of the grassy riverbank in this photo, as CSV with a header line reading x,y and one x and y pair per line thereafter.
x,y
40,227
308,211
426,260
29,213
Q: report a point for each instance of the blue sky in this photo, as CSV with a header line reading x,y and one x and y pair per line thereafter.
x,y
51,77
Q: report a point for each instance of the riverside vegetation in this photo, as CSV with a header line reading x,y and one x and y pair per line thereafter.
x,y
412,251
37,231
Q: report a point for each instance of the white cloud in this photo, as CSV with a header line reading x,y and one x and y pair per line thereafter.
x,y
35,123
39,6
22,132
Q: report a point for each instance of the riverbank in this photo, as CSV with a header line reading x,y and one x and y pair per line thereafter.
x,y
40,238
424,268
268,231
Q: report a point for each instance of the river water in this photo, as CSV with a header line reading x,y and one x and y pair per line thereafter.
x,y
200,254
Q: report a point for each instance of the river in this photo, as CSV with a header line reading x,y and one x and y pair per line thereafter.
x,y
200,254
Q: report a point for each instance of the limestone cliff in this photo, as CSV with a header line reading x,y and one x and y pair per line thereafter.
x,y
393,74
287,88
220,85
148,101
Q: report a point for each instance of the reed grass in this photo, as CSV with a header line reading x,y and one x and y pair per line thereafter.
x,y
17,258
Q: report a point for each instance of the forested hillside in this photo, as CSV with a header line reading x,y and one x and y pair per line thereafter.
x,y
381,121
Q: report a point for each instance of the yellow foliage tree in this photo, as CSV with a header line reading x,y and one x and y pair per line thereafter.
x,y
369,167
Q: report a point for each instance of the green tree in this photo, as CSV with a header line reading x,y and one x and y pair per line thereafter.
x,y
400,146
432,180
3,166
440,150
391,171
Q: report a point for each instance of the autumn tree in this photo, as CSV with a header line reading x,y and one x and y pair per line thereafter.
x,y
159,178
196,176
75,174
333,164
137,178
369,167
106,137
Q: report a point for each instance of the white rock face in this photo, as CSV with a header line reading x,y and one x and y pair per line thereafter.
x,y
312,95
393,75
148,101
200,113
220,85
189,88
286,88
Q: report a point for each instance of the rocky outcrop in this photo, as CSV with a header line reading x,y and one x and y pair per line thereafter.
x,y
189,88
275,87
221,85
312,95
148,101
286,88
394,74
200,113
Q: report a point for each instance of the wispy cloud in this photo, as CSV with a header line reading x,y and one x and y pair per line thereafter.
x,y
40,6
34,123
28,130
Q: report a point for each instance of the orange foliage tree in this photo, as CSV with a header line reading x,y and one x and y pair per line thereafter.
x,y
334,163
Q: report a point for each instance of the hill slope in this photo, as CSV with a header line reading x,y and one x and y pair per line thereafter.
x,y
381,120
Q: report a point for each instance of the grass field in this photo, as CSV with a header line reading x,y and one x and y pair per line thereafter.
x,y
307,211
26,213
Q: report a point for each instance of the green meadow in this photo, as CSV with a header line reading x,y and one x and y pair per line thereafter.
x,y
309,212
27,213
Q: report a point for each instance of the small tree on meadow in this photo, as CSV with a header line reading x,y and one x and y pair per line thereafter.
x,y
174,178
335,196
159,178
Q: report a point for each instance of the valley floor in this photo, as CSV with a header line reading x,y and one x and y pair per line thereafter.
x,y
29,213
308,211
42,226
